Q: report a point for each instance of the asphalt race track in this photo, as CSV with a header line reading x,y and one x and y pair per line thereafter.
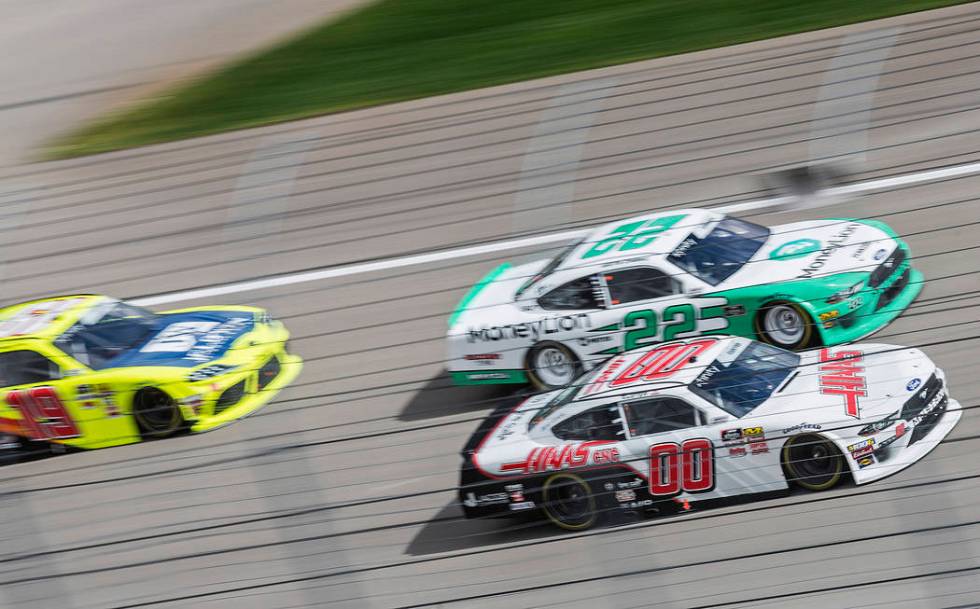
x,y
341,493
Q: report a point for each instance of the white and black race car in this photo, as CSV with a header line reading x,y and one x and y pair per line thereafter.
x,y
703,419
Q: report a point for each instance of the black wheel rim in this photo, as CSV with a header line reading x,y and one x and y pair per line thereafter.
x,y
156,412
814,462
570,502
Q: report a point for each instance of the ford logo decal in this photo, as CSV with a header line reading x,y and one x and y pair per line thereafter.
x,y
913,385
880,254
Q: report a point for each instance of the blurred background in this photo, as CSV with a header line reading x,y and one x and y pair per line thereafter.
x,y
300,155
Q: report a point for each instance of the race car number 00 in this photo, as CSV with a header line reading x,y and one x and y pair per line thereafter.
x,y
687,467
44,415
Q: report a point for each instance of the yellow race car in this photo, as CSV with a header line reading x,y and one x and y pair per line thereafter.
x,y
91,371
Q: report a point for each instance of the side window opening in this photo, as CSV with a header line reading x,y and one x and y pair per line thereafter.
x,y
603,423
659,415
582,293
25,367
632,285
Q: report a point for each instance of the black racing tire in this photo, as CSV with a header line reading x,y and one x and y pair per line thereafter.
x,y
570,502
786,325
551,365
156,413
813,463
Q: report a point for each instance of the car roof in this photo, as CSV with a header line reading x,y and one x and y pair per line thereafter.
x,y
666,365
45,318
679,222
598,387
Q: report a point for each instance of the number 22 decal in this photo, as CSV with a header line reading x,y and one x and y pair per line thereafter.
x,y
644,327
45,416
688,467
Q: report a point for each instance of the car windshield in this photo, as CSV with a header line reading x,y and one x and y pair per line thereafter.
x,y
723,251
548,269
106,331
744,376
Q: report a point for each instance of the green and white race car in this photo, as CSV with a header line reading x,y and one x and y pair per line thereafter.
x,y
668,275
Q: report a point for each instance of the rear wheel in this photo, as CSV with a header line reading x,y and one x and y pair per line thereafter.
x,y
569,502
551,365
812,462
156,413
784,324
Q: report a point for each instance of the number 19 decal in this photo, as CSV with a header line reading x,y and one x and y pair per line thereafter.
x,y
688,467
45,417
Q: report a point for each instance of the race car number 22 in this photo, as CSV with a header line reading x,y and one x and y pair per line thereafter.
x,y
45,416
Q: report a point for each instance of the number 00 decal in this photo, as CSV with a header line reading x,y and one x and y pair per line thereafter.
x,y
45,417
688,467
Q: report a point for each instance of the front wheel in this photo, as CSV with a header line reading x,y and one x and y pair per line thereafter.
x,y
812,462
784,324
551,366
156,413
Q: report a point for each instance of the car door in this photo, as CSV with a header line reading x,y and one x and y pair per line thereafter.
x,y
667,442
55,399
683,456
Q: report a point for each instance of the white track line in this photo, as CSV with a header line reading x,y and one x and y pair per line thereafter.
x,y
861,188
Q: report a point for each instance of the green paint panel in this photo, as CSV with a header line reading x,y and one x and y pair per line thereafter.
x,y
475,291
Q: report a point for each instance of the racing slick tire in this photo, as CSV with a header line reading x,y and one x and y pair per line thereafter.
x,y
157,414
551,365
784,324
812,462
570,502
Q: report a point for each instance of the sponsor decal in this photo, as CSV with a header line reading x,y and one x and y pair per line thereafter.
x,y
864,462
487,376
803,427
705,376
753,434
512,424
634,505
861,249
795,249
553,458
477,357
736,451
828,315
472,500
840,374
209,371
880,255
758,448
216,340
516,492
833,244
862,448
525,505
913,384
585,341
733,310
625,496
731,435
530,329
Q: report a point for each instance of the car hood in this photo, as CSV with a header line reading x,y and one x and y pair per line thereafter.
x,y
817,248
189,339
879,377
